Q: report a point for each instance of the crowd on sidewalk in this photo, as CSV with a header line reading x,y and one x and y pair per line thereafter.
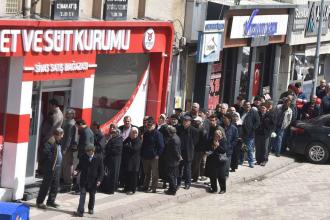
x,y
181,148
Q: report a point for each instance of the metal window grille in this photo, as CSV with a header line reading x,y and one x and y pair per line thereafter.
x,y
12,6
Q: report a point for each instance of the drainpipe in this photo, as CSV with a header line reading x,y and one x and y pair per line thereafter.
x,y
27,8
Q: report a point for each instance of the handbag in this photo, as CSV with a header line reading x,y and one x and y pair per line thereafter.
x,y
223,157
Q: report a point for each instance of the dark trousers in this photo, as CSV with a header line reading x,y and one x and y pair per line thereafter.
x,y
196,165
114,168
228,162
50,183
261,144
235,156
130,181
222,183
172,178
91,203
184,172
141,175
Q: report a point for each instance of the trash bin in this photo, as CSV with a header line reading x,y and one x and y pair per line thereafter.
x,y
14,211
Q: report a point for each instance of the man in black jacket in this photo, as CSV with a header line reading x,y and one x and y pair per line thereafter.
x,y
200,148
251,122
152,147
52,159
172,158
189,138
91,168
86,137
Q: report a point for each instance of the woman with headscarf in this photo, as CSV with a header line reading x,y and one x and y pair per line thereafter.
x,y
215,167
131,158
112,160
237,122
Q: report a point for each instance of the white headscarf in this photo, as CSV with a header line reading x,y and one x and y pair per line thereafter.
x,y
239,122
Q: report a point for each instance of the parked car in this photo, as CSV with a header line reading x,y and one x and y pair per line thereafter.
x,y
311,138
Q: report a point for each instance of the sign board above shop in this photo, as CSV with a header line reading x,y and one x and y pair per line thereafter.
x,y
115,10
65,10
210,41
258,25
312,21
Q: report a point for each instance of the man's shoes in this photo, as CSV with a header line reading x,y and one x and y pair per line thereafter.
x,y
78,214
41,206
154,191
251,166
222,192
257,163
210,190
263,164
277,155
53,205
194,180
187,187
169,192
232,170
91,211
129,193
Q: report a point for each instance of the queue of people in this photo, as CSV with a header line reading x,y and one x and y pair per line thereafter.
x,y
183,148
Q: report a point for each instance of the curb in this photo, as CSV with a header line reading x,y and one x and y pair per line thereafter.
x,y
125,211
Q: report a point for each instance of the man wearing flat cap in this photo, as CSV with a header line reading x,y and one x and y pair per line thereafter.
x,y
52,159
189,138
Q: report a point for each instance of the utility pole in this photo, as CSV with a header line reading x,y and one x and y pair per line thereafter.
x,y
317,51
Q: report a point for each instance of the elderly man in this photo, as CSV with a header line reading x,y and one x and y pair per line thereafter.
x,y
321,89
52,160
152,148
189,139
68,144
220,112
194,110
53,120
126,128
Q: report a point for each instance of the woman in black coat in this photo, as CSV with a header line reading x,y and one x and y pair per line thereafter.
x,y
216,169
237,152
112,160
131,159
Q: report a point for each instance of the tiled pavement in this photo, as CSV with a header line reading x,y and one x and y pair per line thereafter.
x,y
120,205
301,193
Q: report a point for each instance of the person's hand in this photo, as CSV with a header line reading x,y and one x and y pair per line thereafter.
x,y
75,173
98,183
156,157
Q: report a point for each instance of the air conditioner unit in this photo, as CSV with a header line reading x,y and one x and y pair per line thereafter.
x,y
196,11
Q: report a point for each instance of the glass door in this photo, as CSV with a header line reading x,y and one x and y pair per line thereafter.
x,y
33,139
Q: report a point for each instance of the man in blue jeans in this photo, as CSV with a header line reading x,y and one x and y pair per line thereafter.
x,y
251,122
283,114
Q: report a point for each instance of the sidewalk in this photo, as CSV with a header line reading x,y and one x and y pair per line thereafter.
x,y
119,205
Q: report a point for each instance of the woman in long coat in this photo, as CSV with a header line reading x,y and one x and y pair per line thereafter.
x,y
216,169
131,158
112,160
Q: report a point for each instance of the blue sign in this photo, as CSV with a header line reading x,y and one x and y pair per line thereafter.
x,y
259,29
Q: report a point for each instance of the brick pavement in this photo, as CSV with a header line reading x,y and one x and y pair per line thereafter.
x,y
301,193
119,205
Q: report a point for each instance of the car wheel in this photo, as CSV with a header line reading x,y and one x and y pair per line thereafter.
x,y
317,153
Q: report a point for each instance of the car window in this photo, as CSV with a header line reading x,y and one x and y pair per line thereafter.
x,y
327,123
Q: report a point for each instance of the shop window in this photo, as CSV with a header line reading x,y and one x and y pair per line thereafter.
x,y
303,67
115,80
245,76
12,6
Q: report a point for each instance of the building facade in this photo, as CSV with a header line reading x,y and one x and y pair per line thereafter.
x,y
103,69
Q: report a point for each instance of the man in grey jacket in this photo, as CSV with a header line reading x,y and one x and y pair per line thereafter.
x,y
69,142
53,120
283,117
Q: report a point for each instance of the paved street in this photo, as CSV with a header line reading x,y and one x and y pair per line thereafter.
x,y
120,205
300,193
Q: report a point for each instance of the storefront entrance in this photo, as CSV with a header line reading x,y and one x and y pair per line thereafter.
x,y
42,93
